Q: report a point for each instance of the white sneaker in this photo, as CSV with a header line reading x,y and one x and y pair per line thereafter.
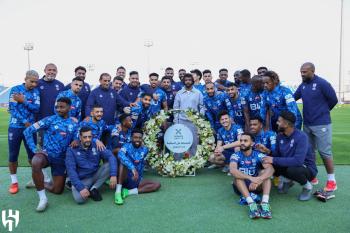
x,y
42,205
213,166
30,184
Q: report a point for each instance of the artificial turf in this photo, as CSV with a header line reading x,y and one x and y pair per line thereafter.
x,y
204,203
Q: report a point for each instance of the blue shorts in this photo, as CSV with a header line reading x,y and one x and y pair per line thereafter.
x,y
129,183
58,166
15,138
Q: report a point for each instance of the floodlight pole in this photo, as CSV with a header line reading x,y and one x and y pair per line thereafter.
x,y
148,44
28,47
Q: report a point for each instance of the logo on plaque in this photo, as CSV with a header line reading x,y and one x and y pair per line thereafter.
x,y
178,138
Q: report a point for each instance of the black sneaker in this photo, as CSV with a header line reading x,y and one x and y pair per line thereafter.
x,y
95,195
68,185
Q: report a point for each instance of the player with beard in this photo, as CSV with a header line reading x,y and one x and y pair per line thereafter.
x,y
143,111
131,157
293,158
237,104
252,175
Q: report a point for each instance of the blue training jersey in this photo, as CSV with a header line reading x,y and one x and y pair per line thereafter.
x,y
214,105
58,134
266,138
281,99
238,106
249,165
140,114
231,135
254,102
120,137
97,128
132,157
21,113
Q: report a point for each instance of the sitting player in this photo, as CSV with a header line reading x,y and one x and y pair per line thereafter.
x,y
245,166
228,139
131,157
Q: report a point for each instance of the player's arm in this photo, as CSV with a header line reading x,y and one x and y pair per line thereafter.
x,y
71,170
28,132
123,158
267,172
35,105
297,93
237,173
329,93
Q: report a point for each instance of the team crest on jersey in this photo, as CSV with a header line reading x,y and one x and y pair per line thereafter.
x,y
86,88
56,126
57,87
101,95
78,153
292,143
112,96
70,127
94,151
314,86
42,87
303,87
281,141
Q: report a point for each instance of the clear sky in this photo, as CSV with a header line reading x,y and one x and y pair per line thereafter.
x,y
186,34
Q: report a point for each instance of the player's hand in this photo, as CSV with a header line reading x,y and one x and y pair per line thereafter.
x,y
127,110
18,97
27,124
256,180
268,160
74,144
84,193
100,146
74,119
253,186
86,118
133,104
135,176
262,148
112,182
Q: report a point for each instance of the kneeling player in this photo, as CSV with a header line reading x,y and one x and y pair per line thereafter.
x,y
244,166
131,157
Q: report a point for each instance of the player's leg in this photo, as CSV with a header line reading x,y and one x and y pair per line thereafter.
x,y
98,179
14,142
265,210
40,161
122,176
323,138
303,176
148,186
243,189
58,171
87,182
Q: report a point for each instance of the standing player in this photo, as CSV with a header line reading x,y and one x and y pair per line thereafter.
x,y
132,156
215,102
72,94
159,97
244,85
59,131
130,93
252,175
197,76
319,98
254,100
277,99
23,104
170,94
222,82
237,104
49,88
84,93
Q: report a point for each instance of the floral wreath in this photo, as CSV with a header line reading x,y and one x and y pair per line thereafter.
x,y
164,162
